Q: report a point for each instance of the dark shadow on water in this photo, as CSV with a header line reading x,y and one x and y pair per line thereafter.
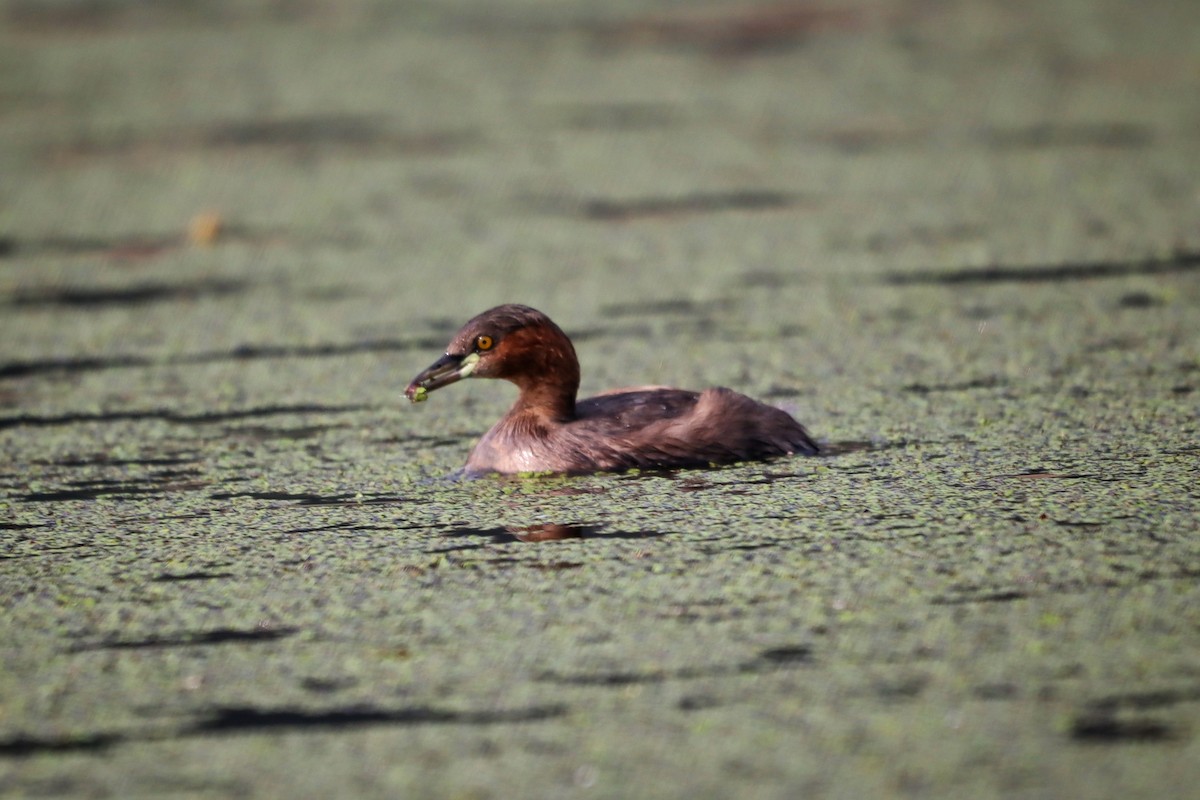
x,y
267,433
234,720
198,575
546,533
1104,729
22,746
296,136
125,296
21,369
244,719
198,638
175,417
327,685
769,660
966,598
103,459
161,483
618,210
986,382
1181,261
313,499
62,495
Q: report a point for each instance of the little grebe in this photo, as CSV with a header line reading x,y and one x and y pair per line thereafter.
x,y
546,430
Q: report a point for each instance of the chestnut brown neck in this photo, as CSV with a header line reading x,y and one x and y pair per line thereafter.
x,y
542,363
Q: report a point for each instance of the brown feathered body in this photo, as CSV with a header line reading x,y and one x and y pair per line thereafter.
x,y
649,427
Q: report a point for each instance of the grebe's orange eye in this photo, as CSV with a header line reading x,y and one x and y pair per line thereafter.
x,y
483,342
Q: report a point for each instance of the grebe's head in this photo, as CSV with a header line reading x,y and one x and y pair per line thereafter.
x,y
513,342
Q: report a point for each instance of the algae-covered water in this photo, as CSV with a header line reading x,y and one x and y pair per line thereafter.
x,y
958,242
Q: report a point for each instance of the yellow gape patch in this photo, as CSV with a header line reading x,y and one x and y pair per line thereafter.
x,y
468,364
